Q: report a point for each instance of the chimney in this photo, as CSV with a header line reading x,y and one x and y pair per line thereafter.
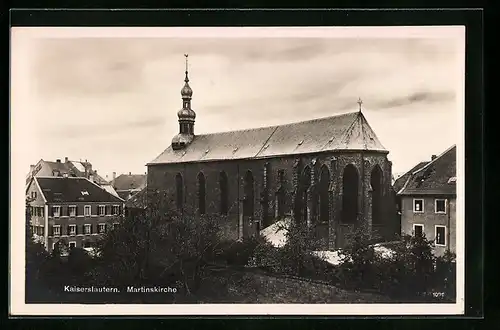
x,y
91,178
433,157
65,159
129,173
114,176
58,160
32,168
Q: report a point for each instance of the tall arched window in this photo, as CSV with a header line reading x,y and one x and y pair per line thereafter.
x,y
324,184
376,187
201,193
280,194
248,209
179,185
223,185
350,183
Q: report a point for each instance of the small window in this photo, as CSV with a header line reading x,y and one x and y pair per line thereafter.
x,y
440,206
72,230
72,211
418,206
116,209
56,230
87,211
56,211
87,229
72,245
418,230
440,234
33,194
102,210
102,228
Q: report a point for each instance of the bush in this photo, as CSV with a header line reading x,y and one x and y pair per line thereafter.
x,y
360,263
411,271
239,253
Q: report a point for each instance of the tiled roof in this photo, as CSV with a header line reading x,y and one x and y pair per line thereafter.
x,y
400,182
60,189
138,200
434,178
348,131
129,181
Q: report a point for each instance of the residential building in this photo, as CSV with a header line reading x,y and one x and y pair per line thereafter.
x,y
427,200
75,210
331,174
68,168
126,185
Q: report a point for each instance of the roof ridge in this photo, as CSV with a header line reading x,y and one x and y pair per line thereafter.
x,y
435,159
280,125
344,134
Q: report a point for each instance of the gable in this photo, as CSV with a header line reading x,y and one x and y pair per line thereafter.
x,y
34,193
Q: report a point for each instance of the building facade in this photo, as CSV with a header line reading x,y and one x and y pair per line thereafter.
x,y
72,210
427,201
330,174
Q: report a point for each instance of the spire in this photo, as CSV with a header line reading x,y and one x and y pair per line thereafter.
x,y
186,91
186,116
360,102
187,78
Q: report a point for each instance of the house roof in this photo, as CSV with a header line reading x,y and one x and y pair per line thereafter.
x,y
348,131
78,168
400,182
73,189
436,177
129,182
138,200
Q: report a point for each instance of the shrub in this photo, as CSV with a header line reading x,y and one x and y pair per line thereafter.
x,y
360,264
239,253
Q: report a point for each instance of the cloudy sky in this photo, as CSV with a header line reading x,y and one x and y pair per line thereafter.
x,y
113,100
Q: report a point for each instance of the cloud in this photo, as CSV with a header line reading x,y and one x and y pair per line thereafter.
x,y
426,97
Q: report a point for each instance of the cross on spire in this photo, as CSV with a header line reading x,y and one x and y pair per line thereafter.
x,y
360,102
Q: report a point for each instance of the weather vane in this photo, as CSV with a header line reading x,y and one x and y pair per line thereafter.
x,y
186,55
360,102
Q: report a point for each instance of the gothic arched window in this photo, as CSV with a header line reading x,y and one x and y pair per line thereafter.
x,y
248,208
201,193
223,193
179,191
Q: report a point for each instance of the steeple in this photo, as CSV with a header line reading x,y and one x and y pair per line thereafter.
x,y
186,115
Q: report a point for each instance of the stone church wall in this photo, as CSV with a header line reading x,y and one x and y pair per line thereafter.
x,y
162,178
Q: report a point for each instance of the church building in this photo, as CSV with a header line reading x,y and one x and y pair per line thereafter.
x,y
330,174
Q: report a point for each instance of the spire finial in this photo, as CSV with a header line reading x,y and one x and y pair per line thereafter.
x,y
360,102
186,56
